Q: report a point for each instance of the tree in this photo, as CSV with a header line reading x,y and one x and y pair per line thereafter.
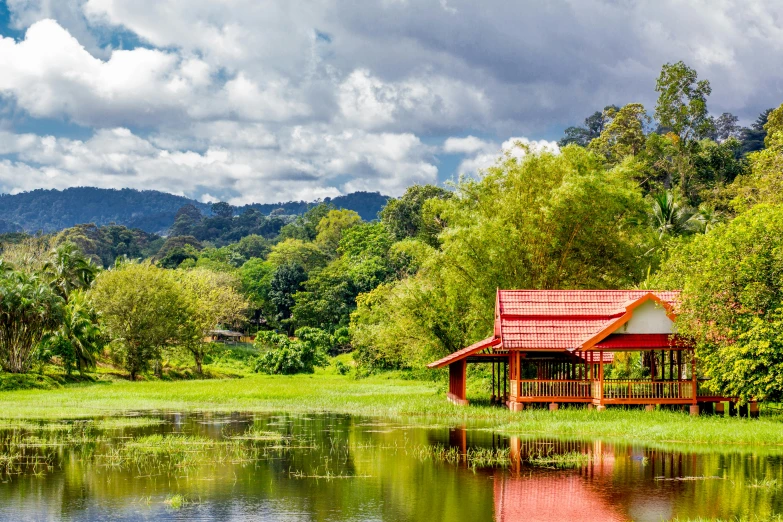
x,y
726,127
79,336
764,182
222,209
67,269
253,246
256,278
304,227
282,355
142,307
29,309
212,300
670,218
286,281
306,255
331,227
185,220
593,126
732,302
682,109
525,223
624,135
752,138
408,217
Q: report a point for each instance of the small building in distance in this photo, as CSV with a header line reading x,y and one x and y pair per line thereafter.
x,y
229,337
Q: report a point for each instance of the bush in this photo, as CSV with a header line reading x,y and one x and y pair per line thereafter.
x,y
288,356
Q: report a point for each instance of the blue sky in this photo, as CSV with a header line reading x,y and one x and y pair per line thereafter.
x,y
256,102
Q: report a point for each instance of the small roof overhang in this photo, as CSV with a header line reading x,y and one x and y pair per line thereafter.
x,y
465,352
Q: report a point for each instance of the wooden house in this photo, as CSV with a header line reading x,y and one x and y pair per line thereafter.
x,y
552,346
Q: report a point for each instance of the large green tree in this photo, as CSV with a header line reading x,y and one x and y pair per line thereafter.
x,y
142,307
732,302
682,110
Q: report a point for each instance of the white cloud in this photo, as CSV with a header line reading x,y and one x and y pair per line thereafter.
x,y
275,99
308,163
425,101
485,154
466,145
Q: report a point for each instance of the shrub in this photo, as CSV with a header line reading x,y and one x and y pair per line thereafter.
x,y
288,356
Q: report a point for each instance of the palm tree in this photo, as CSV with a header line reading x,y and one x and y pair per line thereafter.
x,y
79,336
707,218
29,308
68,269
671,218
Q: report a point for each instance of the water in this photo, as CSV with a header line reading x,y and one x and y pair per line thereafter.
x,y
337,467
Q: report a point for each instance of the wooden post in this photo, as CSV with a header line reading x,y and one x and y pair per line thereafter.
x,y
457,382
601,376
694,382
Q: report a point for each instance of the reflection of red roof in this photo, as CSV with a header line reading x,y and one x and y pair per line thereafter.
x,y
565,319
461,354
550,498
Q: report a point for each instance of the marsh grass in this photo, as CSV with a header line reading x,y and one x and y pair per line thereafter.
x,y
567,460
382,397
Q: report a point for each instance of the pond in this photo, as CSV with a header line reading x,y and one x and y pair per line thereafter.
x,y
172,466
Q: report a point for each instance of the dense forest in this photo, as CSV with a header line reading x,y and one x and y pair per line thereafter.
x,y
670,197
149,210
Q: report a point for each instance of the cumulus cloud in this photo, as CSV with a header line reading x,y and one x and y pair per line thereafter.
x,y
270,100
484,154
308,163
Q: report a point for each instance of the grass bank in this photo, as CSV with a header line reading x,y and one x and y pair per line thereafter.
x,y
387,397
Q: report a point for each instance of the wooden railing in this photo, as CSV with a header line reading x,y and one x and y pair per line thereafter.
x,y
612,389
558,388
645,389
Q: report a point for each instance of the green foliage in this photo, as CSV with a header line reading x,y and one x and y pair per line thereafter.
x,y
212,300
682,102
331,228
285,282
527,223
624,135
104,244
732,302
407,217
305,227
670,218
283,355
305,254
29,308
142,307
79,337
592,129
764,182
67,269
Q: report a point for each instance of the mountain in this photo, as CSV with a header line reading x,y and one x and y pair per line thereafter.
x,y
148,210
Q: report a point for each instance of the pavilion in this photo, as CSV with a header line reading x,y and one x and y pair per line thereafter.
x,y
551,346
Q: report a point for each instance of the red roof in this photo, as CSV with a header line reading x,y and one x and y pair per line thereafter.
x,y
461,354
568,320
564,319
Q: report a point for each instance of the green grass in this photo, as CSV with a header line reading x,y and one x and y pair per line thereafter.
x,y
388,397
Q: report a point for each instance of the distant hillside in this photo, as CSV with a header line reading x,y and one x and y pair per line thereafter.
x,y
148,210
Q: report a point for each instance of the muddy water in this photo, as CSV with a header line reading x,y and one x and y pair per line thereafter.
x,y
192,467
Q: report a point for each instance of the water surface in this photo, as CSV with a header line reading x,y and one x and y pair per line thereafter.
x,y
172,466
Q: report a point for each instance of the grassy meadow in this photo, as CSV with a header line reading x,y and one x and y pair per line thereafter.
x,y
385,396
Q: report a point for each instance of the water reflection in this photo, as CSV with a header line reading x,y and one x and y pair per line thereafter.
x,y
335,467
